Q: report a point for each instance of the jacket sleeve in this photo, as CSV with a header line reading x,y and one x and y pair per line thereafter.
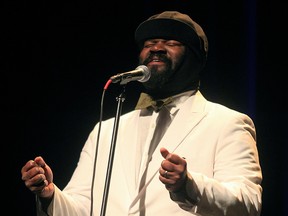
x,y
234,187
74,199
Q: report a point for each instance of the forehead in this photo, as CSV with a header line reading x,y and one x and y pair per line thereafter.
x,y
164,40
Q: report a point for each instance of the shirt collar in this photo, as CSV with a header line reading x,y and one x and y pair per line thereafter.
x,y
146,102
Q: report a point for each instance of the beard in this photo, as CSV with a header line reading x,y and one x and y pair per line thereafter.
x,y
174,77
159,75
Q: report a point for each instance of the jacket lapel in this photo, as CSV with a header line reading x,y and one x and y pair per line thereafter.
x,y
189,115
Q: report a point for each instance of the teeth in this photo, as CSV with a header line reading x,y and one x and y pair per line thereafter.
x,y
155,60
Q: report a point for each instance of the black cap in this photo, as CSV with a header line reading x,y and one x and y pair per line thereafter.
x,y
176,26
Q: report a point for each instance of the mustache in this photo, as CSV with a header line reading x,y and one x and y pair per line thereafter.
x,y
159,56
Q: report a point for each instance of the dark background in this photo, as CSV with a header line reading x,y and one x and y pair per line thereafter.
x,y
57,56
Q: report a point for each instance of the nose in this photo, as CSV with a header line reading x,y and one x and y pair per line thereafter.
x,y
159,46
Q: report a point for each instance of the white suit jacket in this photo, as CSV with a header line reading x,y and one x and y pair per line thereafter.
x,y
218,143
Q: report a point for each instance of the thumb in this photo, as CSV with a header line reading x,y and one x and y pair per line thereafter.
x,y
164,152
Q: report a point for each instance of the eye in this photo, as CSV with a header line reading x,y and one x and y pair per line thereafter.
x,y
148,45
173,43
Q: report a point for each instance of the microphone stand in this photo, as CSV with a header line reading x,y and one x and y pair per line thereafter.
x,y
120,99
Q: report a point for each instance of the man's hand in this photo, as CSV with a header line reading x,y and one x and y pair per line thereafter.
x,y
173,172
38,178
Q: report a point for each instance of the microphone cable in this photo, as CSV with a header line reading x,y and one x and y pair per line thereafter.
x,y
97,144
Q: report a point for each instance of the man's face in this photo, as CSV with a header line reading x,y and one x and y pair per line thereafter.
x,y
163,58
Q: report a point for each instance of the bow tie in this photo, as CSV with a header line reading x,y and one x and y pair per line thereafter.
x,y
146,101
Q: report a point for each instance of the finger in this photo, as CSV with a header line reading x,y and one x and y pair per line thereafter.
x,y
167,178
164,152
38,181
35,180
176,159
30,174
40,161
39,187
163,173
29,165
173,158
39,184
30,169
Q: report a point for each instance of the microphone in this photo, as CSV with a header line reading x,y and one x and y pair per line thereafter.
x,y
141,74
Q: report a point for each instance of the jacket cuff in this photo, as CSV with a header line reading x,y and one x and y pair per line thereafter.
x,y
188,196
